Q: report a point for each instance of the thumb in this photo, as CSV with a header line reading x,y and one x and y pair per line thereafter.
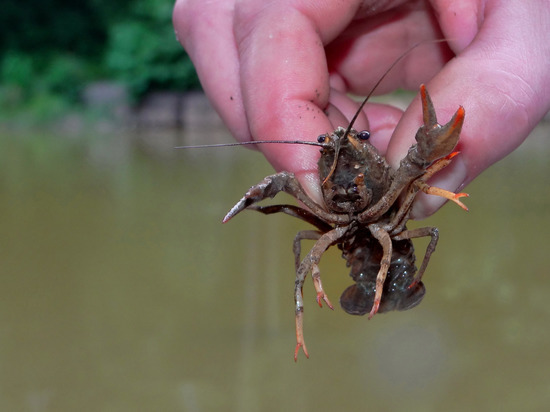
x,y
504,90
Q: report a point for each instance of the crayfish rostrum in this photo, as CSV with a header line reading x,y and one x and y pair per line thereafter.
x,y
367,205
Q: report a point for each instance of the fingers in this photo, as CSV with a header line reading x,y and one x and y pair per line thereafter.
x,y
205,29
502,84
264,67
382,119
368,48
284,77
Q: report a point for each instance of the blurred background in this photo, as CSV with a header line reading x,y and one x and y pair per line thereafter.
x,y
120,289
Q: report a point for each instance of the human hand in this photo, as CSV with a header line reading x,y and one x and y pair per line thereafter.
x,y
281,70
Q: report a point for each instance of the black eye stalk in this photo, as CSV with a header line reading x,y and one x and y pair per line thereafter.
x,y
364,135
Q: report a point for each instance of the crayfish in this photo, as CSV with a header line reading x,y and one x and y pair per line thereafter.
x,y
367,206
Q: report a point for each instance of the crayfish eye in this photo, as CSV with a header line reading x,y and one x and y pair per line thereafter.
x,y
322,138
364,135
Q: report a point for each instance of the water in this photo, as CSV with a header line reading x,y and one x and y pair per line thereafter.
x,y
122,291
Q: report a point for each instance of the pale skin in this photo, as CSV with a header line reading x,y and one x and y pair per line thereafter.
x,y
282,70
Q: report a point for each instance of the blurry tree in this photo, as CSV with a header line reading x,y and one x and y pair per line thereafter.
x,y
41,27
143,50
54,47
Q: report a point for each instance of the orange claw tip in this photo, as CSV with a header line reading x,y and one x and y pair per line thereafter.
x,y
319,302
374,310
321,295
297,350
423,97
458,202
413,284
453,154
460,113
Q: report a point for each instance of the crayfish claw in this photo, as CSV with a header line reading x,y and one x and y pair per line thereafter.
x,y
240,206
428,110
435,140
269,187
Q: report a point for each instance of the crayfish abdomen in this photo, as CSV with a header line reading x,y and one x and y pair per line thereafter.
x,y
400,291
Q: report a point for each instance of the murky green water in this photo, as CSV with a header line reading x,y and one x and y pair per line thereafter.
x,y
122,291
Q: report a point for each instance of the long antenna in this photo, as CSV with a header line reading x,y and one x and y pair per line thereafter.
x,y
354,118
414,46
251,142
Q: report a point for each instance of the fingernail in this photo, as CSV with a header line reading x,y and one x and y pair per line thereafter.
x,y
310,183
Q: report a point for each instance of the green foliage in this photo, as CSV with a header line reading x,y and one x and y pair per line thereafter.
x,y
42,85
65,75
144,53
42,26
50,49
17,69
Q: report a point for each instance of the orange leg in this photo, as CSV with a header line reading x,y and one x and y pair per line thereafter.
x,y
431,190
453,197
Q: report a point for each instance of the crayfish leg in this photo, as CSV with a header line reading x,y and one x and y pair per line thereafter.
x,y
309,264
416,233
300,342
436,191
385,240
297,246
321,295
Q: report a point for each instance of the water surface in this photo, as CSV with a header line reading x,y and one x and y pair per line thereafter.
x,y
122,291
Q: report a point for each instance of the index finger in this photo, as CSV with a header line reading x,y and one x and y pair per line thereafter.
x,y
285,80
